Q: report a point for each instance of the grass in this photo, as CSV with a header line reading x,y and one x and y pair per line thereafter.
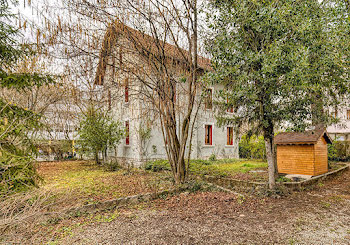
x,y
70,184
87,183
238,168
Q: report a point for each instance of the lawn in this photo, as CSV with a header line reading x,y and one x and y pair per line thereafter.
x,y
84,182
234,168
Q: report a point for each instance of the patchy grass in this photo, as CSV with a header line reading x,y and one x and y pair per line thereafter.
x,y
87,183
69,184
236,168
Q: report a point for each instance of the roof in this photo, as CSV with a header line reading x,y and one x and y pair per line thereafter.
x,y
307,137
142,41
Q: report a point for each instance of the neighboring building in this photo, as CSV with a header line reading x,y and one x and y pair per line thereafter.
x,y
130,106
341,130
303,153
58,139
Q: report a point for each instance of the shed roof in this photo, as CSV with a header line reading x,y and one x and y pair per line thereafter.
x,y
307,137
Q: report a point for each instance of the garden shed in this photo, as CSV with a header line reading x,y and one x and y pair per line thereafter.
x,y
303,153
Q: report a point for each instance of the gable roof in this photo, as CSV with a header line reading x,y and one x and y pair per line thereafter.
x,y
146,43
307,137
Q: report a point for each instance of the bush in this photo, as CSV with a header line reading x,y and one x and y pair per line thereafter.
x,y
158,165
112,165
252,147
338,151
212,157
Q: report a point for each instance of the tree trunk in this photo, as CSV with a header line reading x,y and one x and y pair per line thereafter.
x,y
270,155
97,158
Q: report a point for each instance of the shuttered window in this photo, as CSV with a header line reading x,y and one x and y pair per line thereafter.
x,y
126,94
229,135
127,138
208,134
229,108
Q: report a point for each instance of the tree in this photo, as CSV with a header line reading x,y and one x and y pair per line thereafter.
x,y
277,64
17,123
156,24
97,132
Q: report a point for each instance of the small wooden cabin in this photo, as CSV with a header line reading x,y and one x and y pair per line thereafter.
x,y
303,153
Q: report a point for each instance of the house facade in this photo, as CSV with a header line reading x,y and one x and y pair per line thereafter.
x,y
129,103
341,130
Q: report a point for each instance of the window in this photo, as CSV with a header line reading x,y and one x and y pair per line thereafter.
x,y
229,135
208,134
229,108
174,91
127,138
109,100
209,99
348,114
126,94
335,114
120,57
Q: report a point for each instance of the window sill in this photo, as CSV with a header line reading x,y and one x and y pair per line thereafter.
x,y
208,146
229,146
127,146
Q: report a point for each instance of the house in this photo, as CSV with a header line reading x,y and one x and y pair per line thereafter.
x,y
118,74
341,130
303,152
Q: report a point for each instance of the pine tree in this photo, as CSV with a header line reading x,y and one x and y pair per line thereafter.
x,y
17,151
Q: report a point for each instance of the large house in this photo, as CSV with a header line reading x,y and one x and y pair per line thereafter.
x,y
119,72
341,130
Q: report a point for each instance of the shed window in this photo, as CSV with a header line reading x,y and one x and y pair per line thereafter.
x,y
348,114
229,135
209,99
208,134
127,138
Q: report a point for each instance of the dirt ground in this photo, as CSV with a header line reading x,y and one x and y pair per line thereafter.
x,y
318,216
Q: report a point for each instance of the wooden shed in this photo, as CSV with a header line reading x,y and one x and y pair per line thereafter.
x,y
303,153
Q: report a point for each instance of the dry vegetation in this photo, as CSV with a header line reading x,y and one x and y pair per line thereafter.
x,y
66,185
318,216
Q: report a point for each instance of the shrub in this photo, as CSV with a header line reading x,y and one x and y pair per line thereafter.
x,y
158,165
112,165
252,147
212,157
338,151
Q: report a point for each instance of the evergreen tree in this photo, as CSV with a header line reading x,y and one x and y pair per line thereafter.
x,y
98,132
278,64
17,171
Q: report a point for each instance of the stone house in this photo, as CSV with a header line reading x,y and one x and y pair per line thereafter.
x,y
118,75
